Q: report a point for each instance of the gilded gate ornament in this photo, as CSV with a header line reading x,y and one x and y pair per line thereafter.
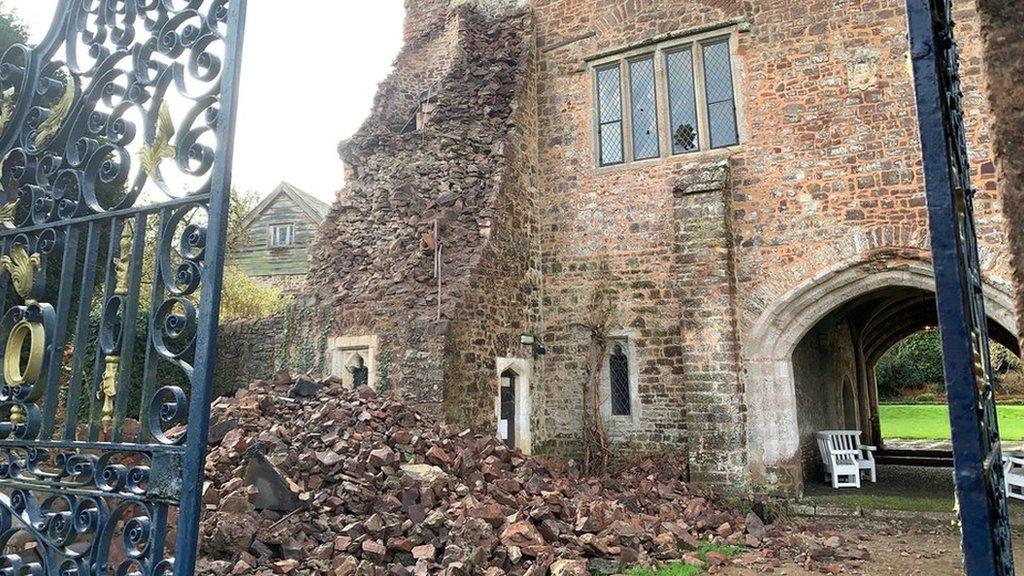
x,y
152,154
49,128
7,213
115,134
35,333
22,268
122,270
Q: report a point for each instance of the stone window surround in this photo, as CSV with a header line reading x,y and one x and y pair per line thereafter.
x,y
272,234
522,368
658,47
628,339
343,350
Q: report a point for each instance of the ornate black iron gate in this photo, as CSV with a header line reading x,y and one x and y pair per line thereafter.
x,y
981,493
116,144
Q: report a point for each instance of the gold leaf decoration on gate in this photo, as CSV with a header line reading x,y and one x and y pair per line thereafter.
x,y
123,261
7,212
49,128
22,268
6,107
152,154
108,390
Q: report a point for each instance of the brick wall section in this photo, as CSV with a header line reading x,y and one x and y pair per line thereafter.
x,y
709,367
1004,58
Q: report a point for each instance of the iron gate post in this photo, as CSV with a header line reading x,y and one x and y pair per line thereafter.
x,y
977,457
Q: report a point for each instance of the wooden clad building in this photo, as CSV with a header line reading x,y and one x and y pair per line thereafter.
x,y
281,228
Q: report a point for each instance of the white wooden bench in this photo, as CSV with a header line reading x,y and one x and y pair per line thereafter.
x,y
1013,471
844,457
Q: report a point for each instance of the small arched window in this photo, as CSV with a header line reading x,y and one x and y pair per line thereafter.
x,y
618,371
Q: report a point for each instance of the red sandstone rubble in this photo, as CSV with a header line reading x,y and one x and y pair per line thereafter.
x,y
346,482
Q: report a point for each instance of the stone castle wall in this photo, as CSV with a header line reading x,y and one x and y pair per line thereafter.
x,y
1004,64
827,175
699,252
502,296
373,259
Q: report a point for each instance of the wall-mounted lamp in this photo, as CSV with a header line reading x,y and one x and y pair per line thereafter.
x,y
532,341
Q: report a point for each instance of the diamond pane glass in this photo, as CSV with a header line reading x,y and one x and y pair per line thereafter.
x,y
611,143
644,109
609,111
718,87
681,101
618,371
609,96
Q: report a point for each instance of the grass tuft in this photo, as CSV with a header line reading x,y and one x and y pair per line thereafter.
x,y
674,569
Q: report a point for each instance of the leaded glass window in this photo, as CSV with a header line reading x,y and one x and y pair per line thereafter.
x,y
609,107
673,98
618,371
644,105
682,101
719,89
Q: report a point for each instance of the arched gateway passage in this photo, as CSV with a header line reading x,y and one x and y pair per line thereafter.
x,y
810,359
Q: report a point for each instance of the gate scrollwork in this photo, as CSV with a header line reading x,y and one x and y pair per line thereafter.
x,y
115,143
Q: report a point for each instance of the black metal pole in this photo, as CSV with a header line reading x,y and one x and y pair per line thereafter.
x,y
976,453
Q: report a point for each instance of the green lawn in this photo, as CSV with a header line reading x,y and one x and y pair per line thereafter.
x,y
931,422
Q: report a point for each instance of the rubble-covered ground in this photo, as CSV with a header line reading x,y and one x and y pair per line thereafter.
x,y
310,478
901,547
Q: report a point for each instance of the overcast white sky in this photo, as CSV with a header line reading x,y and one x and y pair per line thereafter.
x,y
309,74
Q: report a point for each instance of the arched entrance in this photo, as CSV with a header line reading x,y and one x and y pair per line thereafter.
x,y
512,403
801,352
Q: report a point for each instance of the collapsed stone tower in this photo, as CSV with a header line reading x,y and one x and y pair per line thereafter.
x,y
411,255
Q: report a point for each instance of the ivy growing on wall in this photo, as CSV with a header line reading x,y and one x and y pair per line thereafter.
x,y
383,370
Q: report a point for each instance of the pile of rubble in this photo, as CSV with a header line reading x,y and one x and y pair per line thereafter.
x,y
310,478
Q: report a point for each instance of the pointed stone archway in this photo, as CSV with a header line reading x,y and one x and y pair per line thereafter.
x,y
832,327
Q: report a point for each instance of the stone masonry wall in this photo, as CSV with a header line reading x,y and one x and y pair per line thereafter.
x,y
246,351
1003,34
827,175
503,292
423,17
709,347
616,228
373,260
821,363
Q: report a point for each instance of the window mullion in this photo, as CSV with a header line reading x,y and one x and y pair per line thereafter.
x,y
699,91
661,103
627,111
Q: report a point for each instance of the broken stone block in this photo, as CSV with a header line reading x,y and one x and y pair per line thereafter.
x,y
424,473
304,388
274,490
567,567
